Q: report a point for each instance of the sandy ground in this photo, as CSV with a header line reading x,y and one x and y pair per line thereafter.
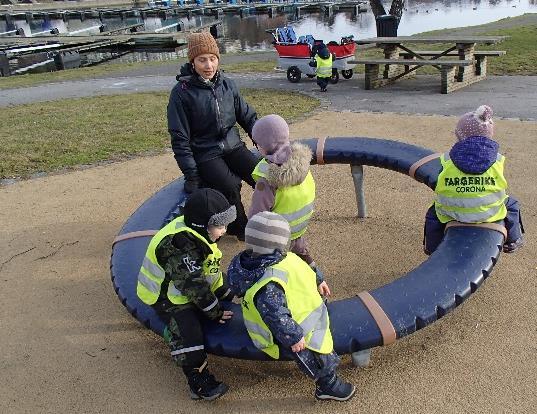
x,y
68,344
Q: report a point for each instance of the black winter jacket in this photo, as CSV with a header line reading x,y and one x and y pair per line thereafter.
x,y
202,119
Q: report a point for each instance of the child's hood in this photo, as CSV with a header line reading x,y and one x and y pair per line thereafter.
x,y
294,170
474,155
246,269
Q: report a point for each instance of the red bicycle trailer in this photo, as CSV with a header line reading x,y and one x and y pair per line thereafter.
x,y
295,56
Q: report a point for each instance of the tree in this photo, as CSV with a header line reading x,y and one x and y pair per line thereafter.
x,y
395,10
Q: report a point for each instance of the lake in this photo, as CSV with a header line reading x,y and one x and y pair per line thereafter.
x,y
418,16
249,33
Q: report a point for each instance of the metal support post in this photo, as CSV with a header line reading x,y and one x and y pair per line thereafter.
x,y
361,358
357,172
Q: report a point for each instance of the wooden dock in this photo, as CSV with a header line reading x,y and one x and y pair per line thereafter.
x,y
165,12
64,51
66,48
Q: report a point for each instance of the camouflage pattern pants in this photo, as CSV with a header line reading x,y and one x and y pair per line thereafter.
x,y
184,336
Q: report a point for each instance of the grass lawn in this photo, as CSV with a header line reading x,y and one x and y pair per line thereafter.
x,y
51,136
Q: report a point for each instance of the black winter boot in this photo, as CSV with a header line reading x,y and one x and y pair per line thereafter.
x,y
204,386
332,388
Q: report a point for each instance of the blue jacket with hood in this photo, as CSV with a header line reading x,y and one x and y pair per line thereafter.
x,y
245,270
474,155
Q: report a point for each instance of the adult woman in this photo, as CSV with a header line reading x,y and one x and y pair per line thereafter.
x,y
203,111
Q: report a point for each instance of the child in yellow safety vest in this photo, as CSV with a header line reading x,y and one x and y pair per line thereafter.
x,y
284,183
180,278
471,187
282,308
322,62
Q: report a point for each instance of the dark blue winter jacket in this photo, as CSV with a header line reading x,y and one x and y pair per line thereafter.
x,y
474,155
202,119
244,271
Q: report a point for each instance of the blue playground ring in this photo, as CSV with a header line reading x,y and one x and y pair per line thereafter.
x,y
464,259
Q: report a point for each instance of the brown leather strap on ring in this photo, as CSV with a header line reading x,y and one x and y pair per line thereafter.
x,y
134,234
383,322
320,150
414,167
491,226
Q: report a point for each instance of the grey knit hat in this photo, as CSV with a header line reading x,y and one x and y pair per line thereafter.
x,y
266,232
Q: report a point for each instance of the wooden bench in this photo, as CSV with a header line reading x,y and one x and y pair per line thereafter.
x,y
391,73
477,53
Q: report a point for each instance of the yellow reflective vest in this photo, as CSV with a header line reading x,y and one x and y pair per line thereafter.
x,y
294,203
303,300
152,275
324,66
470,198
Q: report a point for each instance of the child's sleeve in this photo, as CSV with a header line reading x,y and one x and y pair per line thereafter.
x,y
262,199
183,259
271,303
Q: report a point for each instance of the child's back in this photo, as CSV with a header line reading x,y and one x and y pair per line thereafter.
x,y
471,188
284,183
282,307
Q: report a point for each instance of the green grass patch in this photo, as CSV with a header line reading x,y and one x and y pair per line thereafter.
x,y
262,66
521,56
105,69
52,136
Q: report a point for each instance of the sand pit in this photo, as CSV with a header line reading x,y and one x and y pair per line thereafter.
x,y
70,346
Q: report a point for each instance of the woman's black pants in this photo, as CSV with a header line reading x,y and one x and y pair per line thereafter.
x,y
226,174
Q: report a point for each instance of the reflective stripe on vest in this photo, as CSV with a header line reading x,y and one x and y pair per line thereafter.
x,y
303,300
151,275
470,198
295,203
324,66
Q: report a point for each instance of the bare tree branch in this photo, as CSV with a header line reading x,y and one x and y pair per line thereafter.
x,y
377,7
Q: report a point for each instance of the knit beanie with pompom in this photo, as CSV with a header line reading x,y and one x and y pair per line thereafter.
x,y
477,123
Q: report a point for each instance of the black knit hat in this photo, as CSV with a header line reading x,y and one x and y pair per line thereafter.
x,y
323,51
207,207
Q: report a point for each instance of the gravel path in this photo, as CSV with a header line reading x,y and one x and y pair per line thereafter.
x,y
511,96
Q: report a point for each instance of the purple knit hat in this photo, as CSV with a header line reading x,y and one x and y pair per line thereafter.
x,y
477,123
271,133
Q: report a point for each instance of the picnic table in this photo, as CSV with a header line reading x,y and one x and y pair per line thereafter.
x,y
463,66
